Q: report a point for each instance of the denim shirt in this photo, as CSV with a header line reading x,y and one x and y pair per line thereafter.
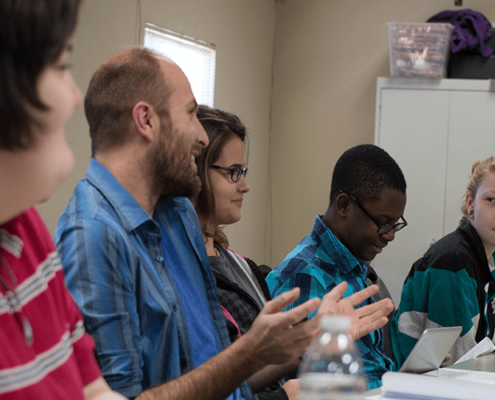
x,y
112,254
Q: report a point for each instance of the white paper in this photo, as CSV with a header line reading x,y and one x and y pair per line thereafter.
x,y
403,385
374,397
469,376
484,347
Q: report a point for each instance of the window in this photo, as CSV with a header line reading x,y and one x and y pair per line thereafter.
x,y
195,57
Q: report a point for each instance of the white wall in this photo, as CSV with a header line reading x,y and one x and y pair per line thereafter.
x,y
243,32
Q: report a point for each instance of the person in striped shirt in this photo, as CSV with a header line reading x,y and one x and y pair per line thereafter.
x,y
45,351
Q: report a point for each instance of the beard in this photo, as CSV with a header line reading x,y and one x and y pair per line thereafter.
x,y
168,164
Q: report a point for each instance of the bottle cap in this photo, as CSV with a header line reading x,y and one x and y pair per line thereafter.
x,y
335,323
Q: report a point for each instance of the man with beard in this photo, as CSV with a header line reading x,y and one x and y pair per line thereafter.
x,y
134,256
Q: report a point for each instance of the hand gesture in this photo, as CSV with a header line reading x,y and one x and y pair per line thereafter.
x,y
365,319
276,337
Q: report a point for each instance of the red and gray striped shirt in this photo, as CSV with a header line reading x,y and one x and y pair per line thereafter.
x,y
60,360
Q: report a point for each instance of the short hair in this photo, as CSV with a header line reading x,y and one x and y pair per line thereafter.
x,y
364,171
127,77
220,126
33,34
478,172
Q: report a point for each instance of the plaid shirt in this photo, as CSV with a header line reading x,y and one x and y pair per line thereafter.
x,y
319,263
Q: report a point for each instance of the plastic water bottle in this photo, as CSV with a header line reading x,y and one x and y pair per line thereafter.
x,y
332,368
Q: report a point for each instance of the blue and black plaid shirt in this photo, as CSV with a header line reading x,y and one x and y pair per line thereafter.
x,y
319,263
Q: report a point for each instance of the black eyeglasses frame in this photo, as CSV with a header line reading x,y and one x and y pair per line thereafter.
x,y
382,228
235,172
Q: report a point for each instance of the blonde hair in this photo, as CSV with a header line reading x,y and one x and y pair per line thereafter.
x,y
478,171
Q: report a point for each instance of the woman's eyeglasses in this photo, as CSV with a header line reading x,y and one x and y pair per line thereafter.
x,y
235,173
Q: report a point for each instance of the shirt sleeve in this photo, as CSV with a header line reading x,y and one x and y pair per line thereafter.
x,y
432,297
98,276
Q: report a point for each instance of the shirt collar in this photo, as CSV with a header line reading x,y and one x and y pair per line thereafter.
x,y
341,256
125,205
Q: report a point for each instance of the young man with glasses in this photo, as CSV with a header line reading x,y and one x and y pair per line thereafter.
x,y
367,201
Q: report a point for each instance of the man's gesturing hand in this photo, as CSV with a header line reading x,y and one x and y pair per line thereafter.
x,y
276,337
365,319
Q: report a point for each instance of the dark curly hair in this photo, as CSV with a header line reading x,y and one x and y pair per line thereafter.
x,y
364,171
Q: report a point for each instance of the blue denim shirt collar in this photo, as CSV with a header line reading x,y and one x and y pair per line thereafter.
x,y
130,212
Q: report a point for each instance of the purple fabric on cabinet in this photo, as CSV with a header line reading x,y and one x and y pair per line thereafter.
x,y
471,29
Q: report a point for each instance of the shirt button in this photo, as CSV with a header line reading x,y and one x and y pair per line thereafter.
x,y
183,362
174,307
159,259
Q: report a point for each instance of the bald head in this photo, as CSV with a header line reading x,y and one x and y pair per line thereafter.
x,y
126,78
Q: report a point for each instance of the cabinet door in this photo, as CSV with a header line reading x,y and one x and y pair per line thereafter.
x,y
413,127
471,138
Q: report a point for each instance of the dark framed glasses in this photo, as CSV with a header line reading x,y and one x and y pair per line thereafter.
x,y
235,173
382,228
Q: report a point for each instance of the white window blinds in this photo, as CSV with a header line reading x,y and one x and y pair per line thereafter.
x,y
195,57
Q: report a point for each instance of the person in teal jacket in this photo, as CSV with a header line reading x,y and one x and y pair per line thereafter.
x,y
454,283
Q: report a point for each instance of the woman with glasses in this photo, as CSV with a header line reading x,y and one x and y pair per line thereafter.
x,y
241,285
453,283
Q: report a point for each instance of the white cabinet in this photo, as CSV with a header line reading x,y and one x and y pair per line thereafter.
x,y
435,130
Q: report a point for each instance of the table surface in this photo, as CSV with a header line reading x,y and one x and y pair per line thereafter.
x,y
484,363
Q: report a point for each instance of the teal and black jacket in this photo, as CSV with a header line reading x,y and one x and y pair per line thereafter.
x,y
452,284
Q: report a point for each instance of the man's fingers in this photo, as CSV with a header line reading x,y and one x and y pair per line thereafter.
x,y
372,326
358,297
372,317
281,302
310,326
297,314
336,293
303,334
376,310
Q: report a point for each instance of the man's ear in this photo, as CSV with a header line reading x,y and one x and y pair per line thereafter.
x,y
145,120
343,202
